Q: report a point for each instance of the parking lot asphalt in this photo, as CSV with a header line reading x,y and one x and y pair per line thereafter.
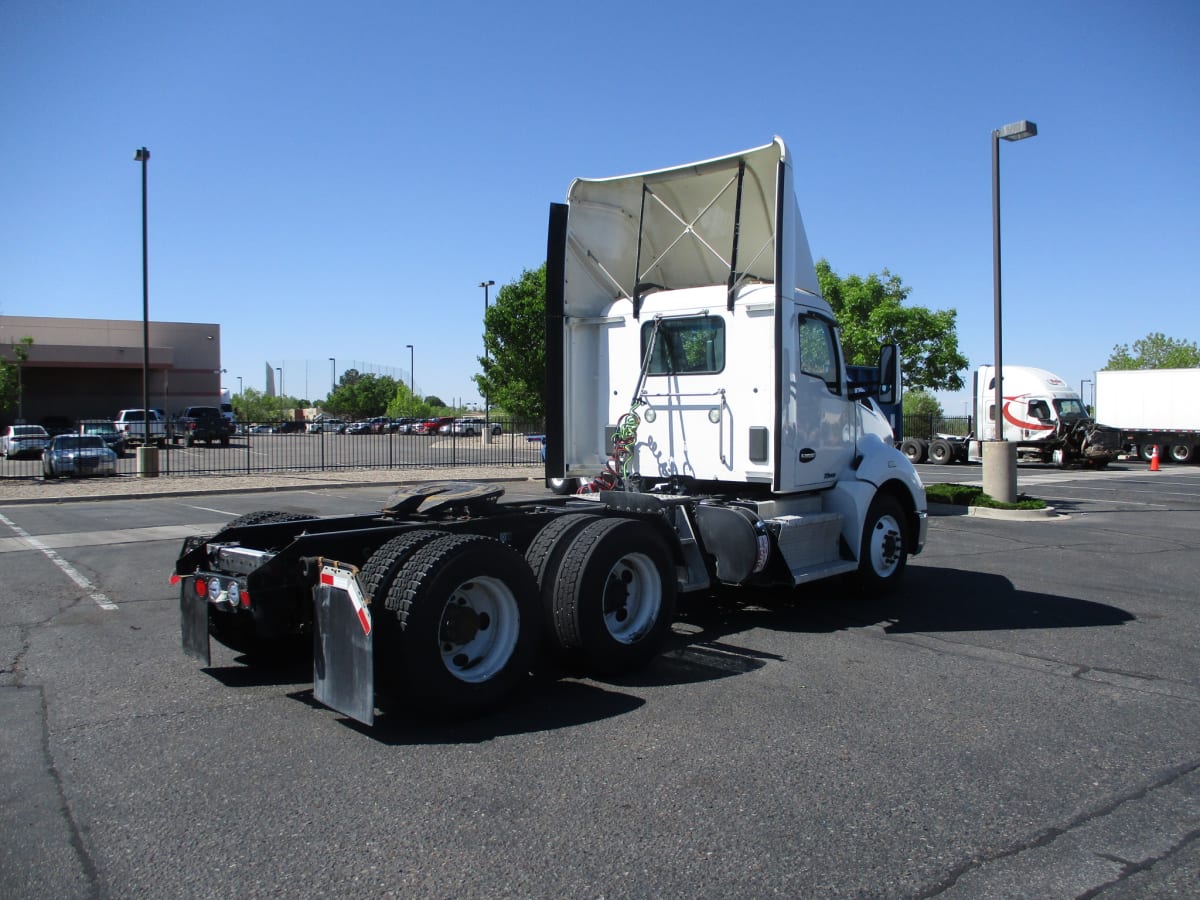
x,y
1019,720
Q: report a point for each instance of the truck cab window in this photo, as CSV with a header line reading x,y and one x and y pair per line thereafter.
x,y
694,345
1040,410
818,352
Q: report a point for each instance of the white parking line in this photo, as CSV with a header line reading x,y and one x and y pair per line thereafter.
x,y
67,569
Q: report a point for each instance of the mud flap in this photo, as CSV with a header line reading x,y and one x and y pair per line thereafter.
x,y
193,623
343,645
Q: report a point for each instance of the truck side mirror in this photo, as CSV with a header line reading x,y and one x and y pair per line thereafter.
x,y
889,374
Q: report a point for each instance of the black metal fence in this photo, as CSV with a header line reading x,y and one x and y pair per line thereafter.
x,y
273,447
928,425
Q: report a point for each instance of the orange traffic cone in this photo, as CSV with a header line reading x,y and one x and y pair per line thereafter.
x,y
1154,459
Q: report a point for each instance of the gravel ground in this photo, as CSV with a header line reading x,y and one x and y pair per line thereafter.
x,y
38,490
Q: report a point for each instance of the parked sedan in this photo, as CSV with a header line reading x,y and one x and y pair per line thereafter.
x,y
23,440
78,454
107,431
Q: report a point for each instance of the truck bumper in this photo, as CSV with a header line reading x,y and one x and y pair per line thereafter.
x,y
922,517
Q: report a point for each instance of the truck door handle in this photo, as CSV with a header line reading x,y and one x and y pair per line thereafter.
x,y
808,454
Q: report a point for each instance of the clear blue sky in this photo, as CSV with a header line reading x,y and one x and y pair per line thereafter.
x,y
334,180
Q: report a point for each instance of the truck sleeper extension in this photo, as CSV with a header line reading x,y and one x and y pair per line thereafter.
x,y
696,395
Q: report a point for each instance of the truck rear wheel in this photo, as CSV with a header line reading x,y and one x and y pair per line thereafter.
x,y
546,549
1182,453
940,452
467,607
381,568
882,556
914,449
613,594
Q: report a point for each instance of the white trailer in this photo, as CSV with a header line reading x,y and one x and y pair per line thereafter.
x,y
1152,409
697,398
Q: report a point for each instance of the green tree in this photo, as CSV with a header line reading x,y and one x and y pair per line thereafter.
x,y
360,396
10,374
870,311
1155,351
253,406
514,368
920,402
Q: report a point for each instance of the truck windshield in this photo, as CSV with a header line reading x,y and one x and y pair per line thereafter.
x,y
694,345
1068,409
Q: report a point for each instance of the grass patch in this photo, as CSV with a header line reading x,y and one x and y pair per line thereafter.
x,y
972,495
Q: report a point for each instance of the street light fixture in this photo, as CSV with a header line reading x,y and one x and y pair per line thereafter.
x,y
147,453
1000,458
486,400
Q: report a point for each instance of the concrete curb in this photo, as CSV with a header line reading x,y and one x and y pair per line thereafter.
x,y
1049,513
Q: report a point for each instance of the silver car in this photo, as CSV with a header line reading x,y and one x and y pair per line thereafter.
x,y
78,454
23,440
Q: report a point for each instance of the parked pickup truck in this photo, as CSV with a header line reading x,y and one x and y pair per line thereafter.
x,y
132,424
202,423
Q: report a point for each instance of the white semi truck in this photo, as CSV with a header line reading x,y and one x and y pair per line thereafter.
x,y
1152,409
698,398
1041,414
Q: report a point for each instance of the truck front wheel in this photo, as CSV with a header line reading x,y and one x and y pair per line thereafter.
x,y
614,594
467,607
882,557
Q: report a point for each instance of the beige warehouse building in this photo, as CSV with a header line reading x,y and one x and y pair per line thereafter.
x,y
90,368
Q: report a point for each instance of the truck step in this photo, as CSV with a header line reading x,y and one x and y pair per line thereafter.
x,y
810,545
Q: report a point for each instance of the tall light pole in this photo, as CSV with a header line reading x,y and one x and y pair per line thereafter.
x,y
239,378
332,375
412,374
486,400
1082,395
147,453
1000,457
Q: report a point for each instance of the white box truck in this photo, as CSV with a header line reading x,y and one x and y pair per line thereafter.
x,y
1152,409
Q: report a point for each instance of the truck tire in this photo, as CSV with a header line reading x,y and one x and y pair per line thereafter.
x,y
545,550
563,485
882,555
469,624
1146,451
1182,453
914,449
381,567
940,452
614,595
1062,458
264,517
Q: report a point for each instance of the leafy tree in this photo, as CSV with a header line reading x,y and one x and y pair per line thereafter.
x,y
921,410
1155,351
257,406
870,311
10,373
360,396
434,400
920,402
514,367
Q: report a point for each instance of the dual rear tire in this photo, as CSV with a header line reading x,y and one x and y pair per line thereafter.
x,y
608,590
